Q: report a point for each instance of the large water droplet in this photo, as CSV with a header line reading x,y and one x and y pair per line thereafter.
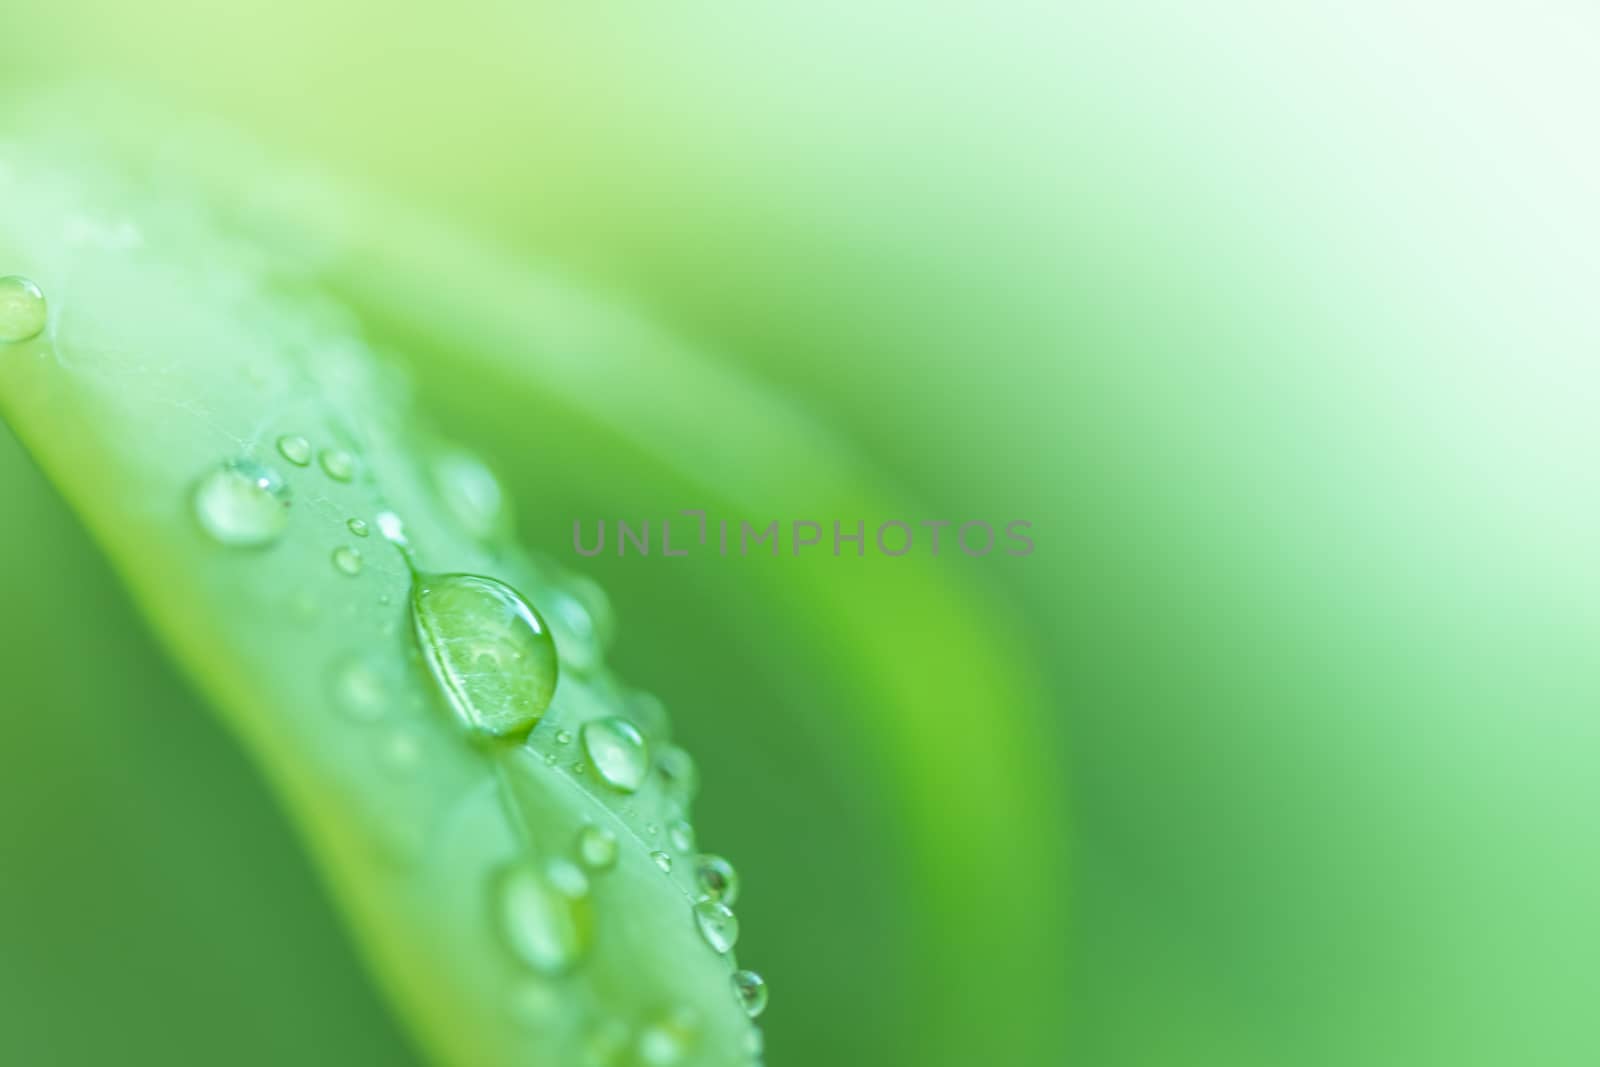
x,y
487,649
546,914
242,504
359,527
717,879
663,861
347,560
597,848
617,750
751,989
22,310
718,925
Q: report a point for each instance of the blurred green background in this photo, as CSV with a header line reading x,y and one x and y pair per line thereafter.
x,y
1277,321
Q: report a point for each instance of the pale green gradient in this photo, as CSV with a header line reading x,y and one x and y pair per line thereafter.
x,y
1278,320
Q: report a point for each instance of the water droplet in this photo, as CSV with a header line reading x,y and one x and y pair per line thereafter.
x,y
487,649
295,449
401,751
647,712
597,848
471,492
717,879
534,1003
681,834
667,1040
359,691
663,861
596,606
242,504
304,605
577,768
392,529
338,464
575,633
347,560
22,310
651,829
718,925
605,1043
546,914
550,759
751,989
563,737
679,774
359,527
617,750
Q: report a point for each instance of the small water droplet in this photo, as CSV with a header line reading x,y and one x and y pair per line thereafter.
x,y
338,464
359,691
534,1003
651,829
577,768
23,313
489,652
295,449
242,504
471,492
751,989
563,737
597,848
646,711
359,527
304,605
718,925
347,560
617,750
665,1041
575,633
605,1043
546,914
663,861
597,606
681,834
401,751
679,775
717,879
392,529
550,759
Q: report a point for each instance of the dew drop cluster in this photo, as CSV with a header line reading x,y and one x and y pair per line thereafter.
x,y
495,663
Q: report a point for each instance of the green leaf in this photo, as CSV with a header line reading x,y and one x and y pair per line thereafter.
x,y
180,342
604,412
